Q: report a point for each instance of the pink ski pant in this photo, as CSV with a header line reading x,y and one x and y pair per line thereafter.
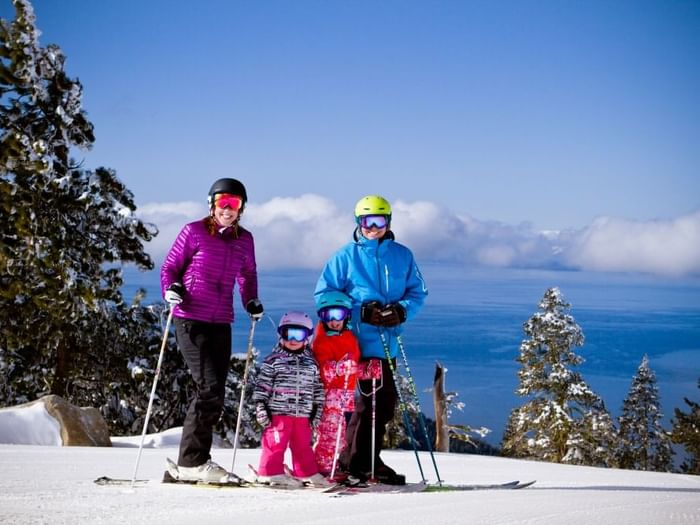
x,y
338,401
283,432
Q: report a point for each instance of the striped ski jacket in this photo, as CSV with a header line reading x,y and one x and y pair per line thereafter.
x,y
289,384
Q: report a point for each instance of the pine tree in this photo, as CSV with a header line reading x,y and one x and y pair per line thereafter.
x,y
558,421
594,439
512,443
644,444
686,432
64,231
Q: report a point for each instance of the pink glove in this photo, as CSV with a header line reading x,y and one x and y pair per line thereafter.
x,y
371,369
346,367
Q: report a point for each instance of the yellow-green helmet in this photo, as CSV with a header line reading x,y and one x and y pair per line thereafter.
x,y
373,205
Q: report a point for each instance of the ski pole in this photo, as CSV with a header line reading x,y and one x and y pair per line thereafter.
x,y
153,394
336,453
373,393
244,382
402,402
420,411
374,422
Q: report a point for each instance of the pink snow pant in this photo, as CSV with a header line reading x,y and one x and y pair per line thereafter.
x,y
283,432
338,401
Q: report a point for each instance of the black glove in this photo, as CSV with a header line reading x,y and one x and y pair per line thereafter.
x,y
174,294
393,315
315,418
371,313
255,309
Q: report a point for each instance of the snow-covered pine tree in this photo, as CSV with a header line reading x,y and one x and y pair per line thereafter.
x,y
593,440
123,386
64,231
556,423
513,443
644,444
686,432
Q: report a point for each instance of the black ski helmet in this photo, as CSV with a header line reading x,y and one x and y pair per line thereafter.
x,y
232,186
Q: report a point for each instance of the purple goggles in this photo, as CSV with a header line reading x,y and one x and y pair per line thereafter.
x,y
333,313
295,333
377,221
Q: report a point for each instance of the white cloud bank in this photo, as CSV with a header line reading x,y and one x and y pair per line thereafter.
x,y
668,247
302,232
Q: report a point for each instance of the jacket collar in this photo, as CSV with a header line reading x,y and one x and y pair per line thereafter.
x,y
358,238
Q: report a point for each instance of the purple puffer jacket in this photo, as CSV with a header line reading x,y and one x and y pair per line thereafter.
x,y
209,266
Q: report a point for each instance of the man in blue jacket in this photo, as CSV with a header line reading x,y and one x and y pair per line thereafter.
x,y
386,287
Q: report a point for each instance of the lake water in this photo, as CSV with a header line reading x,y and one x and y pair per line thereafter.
x,y
472,323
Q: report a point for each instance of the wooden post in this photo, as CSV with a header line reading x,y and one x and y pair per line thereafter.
x,y
442,431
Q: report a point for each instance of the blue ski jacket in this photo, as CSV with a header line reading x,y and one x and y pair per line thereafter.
x,y
370,270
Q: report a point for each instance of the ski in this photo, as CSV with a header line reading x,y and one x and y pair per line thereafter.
x,y
335,490
380,488
169,479
510,485
106,480
304,485
172,475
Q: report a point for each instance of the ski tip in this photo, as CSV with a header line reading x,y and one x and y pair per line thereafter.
x,y
102,480
106,480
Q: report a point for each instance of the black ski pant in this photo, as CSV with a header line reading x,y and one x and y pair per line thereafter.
x,y
206,348
357,455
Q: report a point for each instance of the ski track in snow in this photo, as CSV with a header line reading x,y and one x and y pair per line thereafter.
x,y
54,485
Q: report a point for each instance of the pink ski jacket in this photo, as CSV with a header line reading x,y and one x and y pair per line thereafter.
x,y
209,266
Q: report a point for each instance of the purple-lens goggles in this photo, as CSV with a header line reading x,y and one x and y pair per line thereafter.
x,y
333,313
295,333
378,221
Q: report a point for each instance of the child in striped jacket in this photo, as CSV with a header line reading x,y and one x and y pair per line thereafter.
x,y
288,399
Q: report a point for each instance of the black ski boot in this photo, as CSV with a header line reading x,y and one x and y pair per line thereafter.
x,y
388,476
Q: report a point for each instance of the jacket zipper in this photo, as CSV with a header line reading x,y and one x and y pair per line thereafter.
x,y
298,377
221,275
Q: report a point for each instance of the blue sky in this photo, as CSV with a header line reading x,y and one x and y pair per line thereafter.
x,y
486,122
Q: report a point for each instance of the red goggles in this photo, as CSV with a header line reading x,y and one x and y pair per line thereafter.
x,y
377,221
227,200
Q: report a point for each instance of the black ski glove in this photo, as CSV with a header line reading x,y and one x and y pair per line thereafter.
x,y
393,315
371,313
255,309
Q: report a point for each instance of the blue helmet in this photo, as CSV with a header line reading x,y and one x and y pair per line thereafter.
x,y
333,298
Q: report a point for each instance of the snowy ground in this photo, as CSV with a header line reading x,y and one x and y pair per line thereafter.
x,y
54,485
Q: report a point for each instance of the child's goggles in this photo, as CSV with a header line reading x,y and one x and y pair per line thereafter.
x,y
295,333
378,221
333,313
227,200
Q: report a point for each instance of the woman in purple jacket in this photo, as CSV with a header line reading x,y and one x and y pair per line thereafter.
x,y
197,279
